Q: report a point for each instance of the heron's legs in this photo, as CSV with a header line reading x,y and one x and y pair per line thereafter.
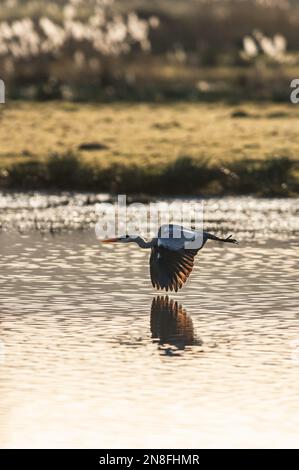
x,y
229,239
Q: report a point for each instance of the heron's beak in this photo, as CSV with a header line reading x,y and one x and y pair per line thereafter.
x,y
110,240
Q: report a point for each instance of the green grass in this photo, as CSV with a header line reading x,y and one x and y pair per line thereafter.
x,y
179,149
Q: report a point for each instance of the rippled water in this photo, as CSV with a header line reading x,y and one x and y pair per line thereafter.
x,y
247,217
91,356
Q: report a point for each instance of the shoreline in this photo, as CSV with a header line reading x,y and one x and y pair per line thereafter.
x,y
185,176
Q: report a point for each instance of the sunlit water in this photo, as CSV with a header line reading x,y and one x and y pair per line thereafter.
x,y
91,357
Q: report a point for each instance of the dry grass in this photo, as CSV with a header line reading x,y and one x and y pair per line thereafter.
x,y
148,133
147,136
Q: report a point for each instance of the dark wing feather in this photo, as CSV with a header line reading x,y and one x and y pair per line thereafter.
x,y
170,269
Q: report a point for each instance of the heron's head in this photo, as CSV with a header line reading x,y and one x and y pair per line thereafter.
x,y
122,239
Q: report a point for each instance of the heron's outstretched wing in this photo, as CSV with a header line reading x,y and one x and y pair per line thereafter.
x,y
170,269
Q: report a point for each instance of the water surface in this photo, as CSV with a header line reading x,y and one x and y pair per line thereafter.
x,y
91,357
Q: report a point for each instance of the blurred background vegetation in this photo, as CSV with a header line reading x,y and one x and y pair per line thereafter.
x,y
149,50
150,96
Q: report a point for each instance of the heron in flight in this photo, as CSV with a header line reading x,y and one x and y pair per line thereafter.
x,y
172,253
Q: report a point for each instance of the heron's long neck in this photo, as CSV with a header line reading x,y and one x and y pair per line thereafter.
x,y
143,244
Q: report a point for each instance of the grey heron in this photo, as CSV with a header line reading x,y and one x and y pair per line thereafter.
x,y
172,253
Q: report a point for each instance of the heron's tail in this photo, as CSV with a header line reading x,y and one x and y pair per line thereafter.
x,y
227,240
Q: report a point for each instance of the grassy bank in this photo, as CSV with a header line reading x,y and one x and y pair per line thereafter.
x,y
181,149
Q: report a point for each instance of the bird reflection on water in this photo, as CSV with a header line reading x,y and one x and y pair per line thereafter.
x,y
171,326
